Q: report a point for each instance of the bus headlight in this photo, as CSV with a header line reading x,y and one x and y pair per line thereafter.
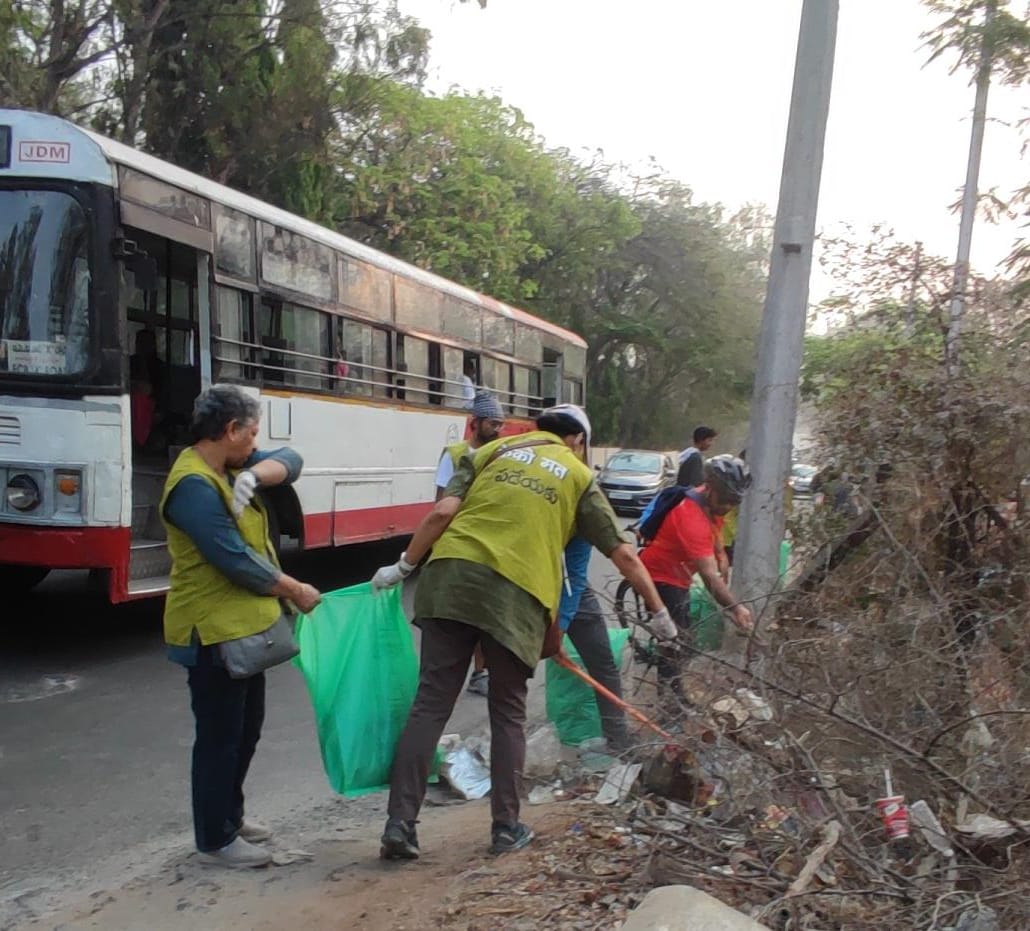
x,y
23,493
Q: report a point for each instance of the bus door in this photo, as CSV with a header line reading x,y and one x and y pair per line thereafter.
x,y
164,327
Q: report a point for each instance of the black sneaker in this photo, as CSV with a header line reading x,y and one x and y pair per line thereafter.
x,y
399,840
507,838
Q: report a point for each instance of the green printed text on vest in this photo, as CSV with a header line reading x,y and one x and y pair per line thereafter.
x,y
519,513
200,596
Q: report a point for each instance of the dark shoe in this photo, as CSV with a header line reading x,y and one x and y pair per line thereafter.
x,y
506,839
399,841
479,684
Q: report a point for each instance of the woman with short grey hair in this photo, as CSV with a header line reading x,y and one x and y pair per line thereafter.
x,y
226,584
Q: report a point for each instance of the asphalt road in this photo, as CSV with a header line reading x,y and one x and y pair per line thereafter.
x,y
95,735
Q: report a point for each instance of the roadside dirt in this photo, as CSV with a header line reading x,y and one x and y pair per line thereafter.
x,y
455,885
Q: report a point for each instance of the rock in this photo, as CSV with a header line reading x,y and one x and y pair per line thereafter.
x,y
684,908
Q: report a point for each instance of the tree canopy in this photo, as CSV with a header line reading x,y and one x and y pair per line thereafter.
x,y
318,106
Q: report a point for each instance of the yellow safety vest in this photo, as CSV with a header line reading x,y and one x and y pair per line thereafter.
x,y
456,451
200,596
519,513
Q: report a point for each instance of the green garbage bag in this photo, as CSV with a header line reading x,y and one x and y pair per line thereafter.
x,y
706,619
358,658
571,706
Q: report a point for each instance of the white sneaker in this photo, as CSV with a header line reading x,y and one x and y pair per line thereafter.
x,y
255,832
240,854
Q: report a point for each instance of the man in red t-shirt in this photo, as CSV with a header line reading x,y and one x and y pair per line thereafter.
x,y
687,542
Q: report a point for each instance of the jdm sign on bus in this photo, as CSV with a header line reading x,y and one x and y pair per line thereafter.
x,y
35,151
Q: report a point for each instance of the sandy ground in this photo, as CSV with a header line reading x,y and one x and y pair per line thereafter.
x,y
343,885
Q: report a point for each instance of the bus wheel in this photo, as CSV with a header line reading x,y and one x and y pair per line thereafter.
x,y
21,578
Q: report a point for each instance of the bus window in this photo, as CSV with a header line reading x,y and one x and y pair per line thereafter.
x,y
471,376
296,262
496,377
572,391
416,358
234,244
233,328
296,341
381,362
525,391
552,381
435,373
534,392
44,284
352,371
520,391
453,362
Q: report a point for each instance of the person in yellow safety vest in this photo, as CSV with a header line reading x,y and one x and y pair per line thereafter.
x,y
495,578
226,583
486,423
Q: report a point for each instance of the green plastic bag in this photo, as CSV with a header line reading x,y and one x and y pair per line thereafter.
x,y
571,706
358,657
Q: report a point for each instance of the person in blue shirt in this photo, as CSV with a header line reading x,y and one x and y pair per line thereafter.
x,y
580,616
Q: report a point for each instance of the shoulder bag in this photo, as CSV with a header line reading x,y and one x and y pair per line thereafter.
x,y
247,656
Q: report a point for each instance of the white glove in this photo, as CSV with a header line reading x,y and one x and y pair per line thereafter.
x,y
389,576
663,626
243,490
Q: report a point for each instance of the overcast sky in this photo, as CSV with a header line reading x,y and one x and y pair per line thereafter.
x,y
703,86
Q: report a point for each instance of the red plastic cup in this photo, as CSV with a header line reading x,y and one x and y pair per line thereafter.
x,y
894,815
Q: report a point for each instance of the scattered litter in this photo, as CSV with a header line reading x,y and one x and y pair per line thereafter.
x,y
466,773
291,857
541,795
930,828
594,756
730,711
984,827
543,751
756,706
892,811
618,782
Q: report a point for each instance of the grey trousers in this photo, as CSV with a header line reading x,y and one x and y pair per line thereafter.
x,y
589,635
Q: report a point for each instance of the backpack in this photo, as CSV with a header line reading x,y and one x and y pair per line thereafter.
x,y
664,502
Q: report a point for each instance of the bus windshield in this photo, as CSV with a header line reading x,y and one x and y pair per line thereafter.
x,y
44,284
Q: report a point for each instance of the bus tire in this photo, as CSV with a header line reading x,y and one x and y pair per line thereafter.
x,y
21,578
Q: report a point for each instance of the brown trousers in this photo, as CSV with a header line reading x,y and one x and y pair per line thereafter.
x,y
446,650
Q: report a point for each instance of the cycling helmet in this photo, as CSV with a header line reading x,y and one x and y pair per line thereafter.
x,y
730,474
572,412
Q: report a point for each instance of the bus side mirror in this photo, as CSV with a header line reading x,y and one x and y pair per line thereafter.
x,y
142,265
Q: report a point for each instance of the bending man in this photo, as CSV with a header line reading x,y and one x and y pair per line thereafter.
x,y
494,578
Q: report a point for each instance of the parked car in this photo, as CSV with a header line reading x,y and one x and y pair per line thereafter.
x,y
801,476
632,477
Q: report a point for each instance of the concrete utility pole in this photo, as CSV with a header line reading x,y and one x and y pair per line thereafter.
x,y
969,199
774,403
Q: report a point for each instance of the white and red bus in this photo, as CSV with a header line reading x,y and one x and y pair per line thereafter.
x,y
127,285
